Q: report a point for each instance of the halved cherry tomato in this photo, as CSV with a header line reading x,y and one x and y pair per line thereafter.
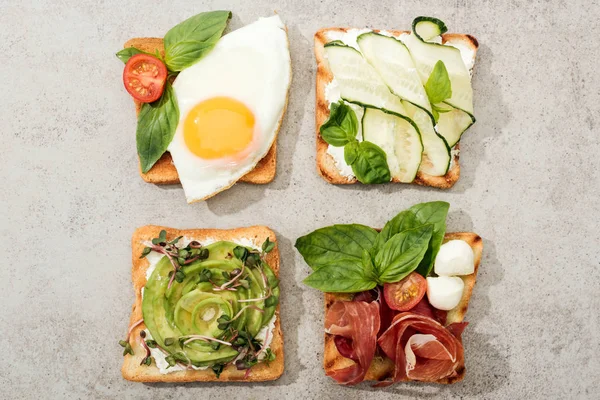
x,y
144,77
405,294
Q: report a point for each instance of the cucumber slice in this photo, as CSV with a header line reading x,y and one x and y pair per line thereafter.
x,y
398,139
358,81
451,125
436,152
426,28
392,61
426,55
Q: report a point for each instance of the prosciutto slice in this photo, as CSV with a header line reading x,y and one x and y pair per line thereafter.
x,y
421,348
357,321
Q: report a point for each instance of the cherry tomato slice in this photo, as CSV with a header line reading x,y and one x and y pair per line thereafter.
x,y
144,77
405,294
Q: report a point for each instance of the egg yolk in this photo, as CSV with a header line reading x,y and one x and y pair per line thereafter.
x,y
218,127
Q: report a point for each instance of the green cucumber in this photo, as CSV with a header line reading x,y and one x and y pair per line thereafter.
x,y
426,55
398,139
426,28
451,125
436,152
358,81
393,62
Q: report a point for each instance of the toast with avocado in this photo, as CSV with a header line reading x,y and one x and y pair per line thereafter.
x,y
392,105
206,306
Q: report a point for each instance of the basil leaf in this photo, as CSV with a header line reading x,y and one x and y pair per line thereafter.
x,y
402,254
351,152
367,263
370,165
193,38
156,127
435,213
341,126
438,86
401,222
334,243
125,54
346,276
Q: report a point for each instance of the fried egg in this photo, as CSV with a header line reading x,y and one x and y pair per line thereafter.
x,y
231,103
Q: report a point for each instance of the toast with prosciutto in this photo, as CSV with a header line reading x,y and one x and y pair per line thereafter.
x,y
395,299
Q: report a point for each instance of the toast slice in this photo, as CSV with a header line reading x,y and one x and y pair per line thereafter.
x,y
325,162
133,371
164,171
382,367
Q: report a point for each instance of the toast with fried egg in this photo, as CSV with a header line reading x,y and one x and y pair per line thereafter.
x,y
382,368
133,371
164,171
326,164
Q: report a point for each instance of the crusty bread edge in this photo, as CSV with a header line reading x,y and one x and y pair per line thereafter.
x,y
133,371
325,162
382,367
164,171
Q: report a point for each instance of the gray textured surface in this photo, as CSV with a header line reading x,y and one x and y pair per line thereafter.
x,y
71,197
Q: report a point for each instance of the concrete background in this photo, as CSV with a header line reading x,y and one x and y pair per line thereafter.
x,y
71,197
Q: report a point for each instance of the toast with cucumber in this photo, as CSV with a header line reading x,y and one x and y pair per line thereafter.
x,y
206,306
391,106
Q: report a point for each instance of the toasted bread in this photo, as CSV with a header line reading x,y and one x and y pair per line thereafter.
x,y
164,171
325,162
382,367
133,371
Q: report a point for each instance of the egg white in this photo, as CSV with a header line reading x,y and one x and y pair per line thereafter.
x,y
251,65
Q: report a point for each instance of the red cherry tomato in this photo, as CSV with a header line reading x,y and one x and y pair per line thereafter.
x,y
144,77
405,294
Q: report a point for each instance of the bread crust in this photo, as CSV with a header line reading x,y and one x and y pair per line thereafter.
x,y
163,172
325,162
133,371
382,367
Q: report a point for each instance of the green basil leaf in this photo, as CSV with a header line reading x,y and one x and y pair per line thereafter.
x,y
435,213
125,54
367,262
438,86
351,152
341,126
436,114
403,221
193,38
334,243
402,254
156,127
370,165
345,276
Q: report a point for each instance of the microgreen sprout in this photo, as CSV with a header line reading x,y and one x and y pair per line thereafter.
x,y
217,369
191,338
127,349
148,359
177,256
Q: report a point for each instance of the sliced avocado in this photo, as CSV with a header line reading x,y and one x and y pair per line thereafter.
x,y
254,322
193,306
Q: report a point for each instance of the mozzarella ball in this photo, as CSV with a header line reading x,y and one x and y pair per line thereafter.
x,y
455,258
445,292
